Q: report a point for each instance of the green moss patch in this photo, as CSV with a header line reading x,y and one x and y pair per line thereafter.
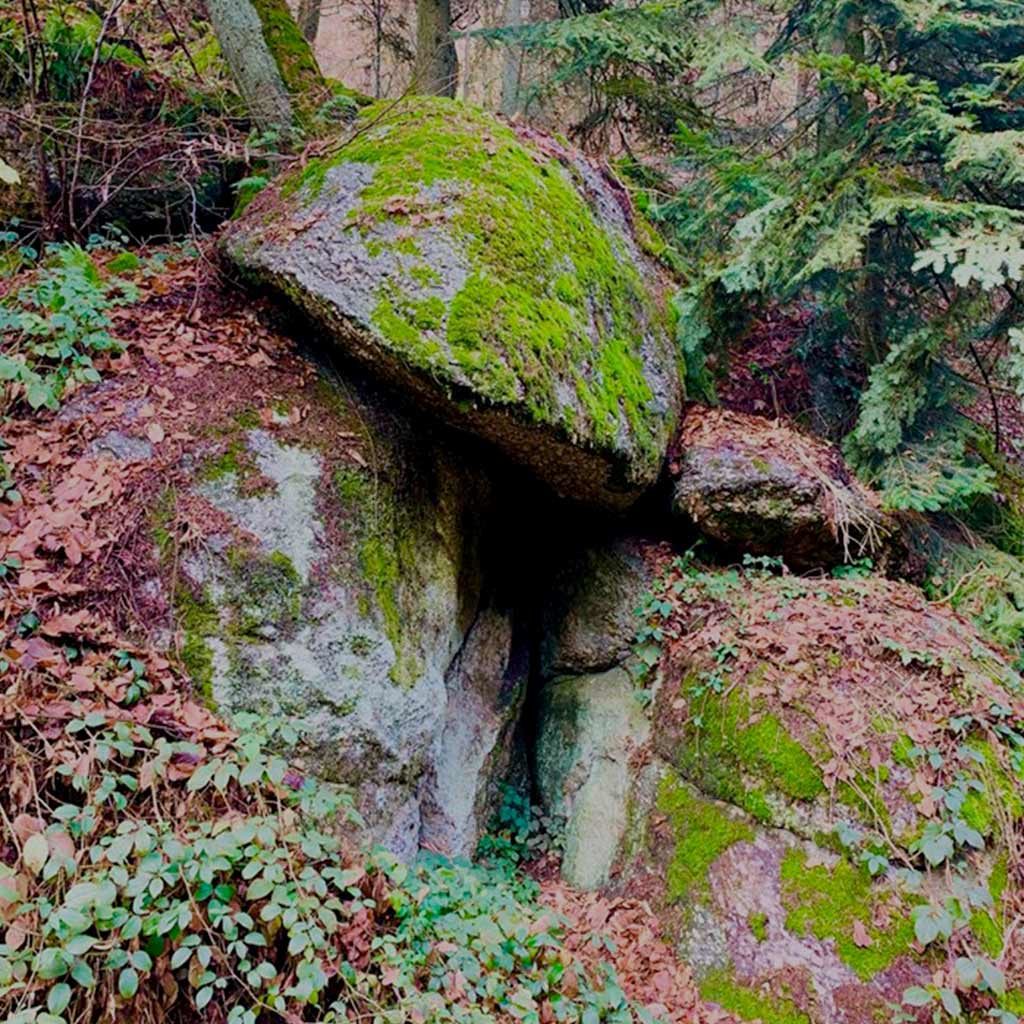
x,y
722,988
263,589
725,740
292,54
703,832
384,546
544,274
827,902
198,620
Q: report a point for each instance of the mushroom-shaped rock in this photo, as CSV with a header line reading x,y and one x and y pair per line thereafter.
x,y
765,488
494,276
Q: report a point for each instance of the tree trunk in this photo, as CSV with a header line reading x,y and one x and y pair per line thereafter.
x,y
309,18
512,61
270,60
239,31
437,67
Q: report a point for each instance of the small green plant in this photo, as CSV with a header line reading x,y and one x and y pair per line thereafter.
x,y
56,325
482,925
859,569
520,832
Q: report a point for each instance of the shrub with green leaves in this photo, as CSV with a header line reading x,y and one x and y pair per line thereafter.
x,y
55,325
158,878
229,884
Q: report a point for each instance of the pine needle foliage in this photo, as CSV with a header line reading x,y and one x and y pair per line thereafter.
x,y
888,195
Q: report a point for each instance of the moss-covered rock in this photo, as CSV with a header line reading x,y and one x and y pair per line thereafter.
x,y
493,276
775,928
339,591
804,701
812,739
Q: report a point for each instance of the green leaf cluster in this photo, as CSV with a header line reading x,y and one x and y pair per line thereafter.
x,y
54,326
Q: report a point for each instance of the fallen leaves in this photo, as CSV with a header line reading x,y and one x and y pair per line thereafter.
x,y
647,967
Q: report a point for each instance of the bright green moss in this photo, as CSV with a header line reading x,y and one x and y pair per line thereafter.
x,y
247,419
721,987
731,741
292,54
826,902
703,832
999,788
198,621
758,924
863,794
195,615
235,460
988,933
901,751
999,879
424,275
383,549
985,924
544,275
1014,1002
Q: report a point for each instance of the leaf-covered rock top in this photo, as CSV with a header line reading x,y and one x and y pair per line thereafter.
x,y
765,488
496,278
784,691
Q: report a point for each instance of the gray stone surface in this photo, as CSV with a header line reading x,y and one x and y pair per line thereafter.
x,y
485,691
590,614
590,726
349,617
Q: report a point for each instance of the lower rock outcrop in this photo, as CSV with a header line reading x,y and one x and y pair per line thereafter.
x,y
821,752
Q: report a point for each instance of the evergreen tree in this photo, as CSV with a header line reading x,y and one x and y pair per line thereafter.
x,y
890,197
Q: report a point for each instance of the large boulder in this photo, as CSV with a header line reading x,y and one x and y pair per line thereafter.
x,y
765,488
493,275
829,761
321,555
870,728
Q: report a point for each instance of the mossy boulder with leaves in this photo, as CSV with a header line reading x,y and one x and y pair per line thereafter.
x,y
491,275
842,790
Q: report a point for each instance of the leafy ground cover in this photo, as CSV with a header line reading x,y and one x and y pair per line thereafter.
x,y
158,863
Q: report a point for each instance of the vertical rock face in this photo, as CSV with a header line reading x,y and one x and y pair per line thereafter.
x,y
485,688
340,589
588,757
590,729
495,277
590,613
